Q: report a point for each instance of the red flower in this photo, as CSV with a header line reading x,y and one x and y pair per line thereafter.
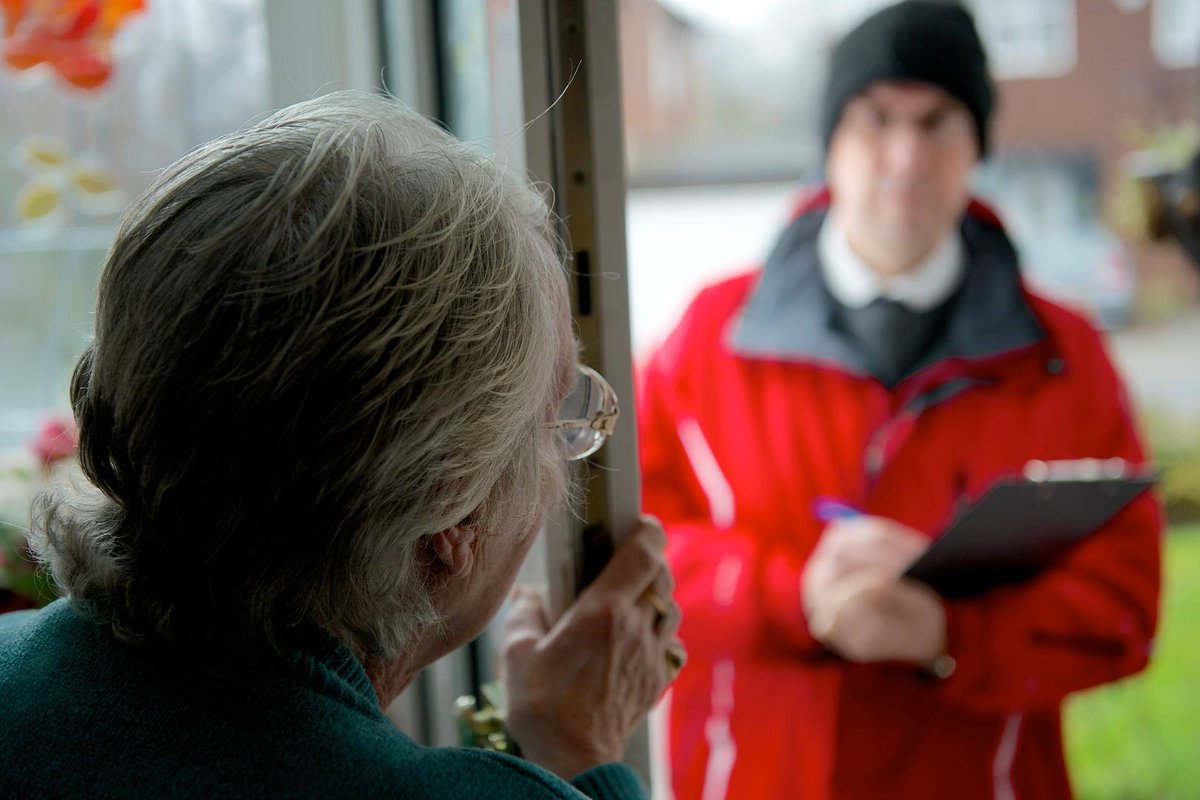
x,y
57,440
72,36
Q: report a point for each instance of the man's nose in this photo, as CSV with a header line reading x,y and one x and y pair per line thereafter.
x,y
908,149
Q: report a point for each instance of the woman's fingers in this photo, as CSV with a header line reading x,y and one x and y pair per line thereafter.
x,y
633,566
662,611
638,574
526,622
577,693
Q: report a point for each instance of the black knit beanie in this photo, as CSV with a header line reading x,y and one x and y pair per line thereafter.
x,y
916,40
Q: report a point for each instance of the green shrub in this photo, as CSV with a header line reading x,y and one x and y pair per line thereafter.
x,y
1175,442
1136,739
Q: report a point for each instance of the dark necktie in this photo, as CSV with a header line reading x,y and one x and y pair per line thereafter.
x,y
891,335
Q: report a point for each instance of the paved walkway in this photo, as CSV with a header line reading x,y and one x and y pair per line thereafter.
x,y
1161,364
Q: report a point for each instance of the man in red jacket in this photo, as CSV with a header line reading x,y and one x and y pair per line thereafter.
x,y
888,357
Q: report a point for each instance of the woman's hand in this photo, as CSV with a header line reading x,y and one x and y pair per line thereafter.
x,y
577,690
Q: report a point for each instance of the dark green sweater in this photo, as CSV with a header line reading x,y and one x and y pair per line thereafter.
x,y
83,714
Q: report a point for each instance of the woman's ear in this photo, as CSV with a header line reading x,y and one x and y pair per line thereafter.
x,y
454,549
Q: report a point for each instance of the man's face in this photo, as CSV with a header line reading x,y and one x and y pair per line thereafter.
x,y
899,168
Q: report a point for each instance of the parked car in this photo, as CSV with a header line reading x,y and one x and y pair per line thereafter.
x,y
1086,266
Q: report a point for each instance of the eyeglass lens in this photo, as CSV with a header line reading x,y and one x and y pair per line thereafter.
x,y
583,402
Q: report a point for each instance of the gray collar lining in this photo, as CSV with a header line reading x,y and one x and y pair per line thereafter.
x,y
790,314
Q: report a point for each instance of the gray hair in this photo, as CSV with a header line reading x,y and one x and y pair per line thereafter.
x,y
318,341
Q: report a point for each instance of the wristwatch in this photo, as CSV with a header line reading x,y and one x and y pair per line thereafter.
x,y
941,667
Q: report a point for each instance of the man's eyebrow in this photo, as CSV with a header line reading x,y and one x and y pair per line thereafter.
x,y
937,113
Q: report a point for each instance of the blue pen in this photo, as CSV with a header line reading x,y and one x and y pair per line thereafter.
x,y
827,509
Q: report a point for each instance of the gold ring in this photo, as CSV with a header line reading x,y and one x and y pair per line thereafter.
x,y
656,601
676,657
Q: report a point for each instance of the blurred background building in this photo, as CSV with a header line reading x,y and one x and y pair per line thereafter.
x,y
720,98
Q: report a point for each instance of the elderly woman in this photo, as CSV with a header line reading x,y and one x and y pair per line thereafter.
x,y
331,396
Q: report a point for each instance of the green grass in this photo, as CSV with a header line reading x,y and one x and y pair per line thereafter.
x,y
1140,739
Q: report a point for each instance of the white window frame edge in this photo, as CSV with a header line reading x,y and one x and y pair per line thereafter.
x,y
551,143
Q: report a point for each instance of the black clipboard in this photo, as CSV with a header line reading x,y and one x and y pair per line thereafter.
x,y
1022,524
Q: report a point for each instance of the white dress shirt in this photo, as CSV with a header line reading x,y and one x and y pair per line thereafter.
x,y
854,284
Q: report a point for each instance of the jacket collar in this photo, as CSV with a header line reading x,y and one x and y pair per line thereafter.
x,y
789,315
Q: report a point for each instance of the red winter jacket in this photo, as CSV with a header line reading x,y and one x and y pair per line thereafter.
x,y
754,407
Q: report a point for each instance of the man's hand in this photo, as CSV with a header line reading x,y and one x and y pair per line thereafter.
x,y
856,602
868,618
577,690
874,545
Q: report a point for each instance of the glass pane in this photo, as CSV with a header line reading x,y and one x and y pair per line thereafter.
x,y
722,112
77,144
481,89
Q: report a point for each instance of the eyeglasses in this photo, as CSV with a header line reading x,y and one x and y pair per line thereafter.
x,y
587,416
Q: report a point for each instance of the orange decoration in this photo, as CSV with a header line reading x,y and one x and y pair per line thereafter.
x,y
73,36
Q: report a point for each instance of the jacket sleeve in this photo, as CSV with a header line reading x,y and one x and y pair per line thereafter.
x,y
1088,620
736,587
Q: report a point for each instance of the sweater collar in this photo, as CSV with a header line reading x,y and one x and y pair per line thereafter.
x,y
319,660
306,653
789,316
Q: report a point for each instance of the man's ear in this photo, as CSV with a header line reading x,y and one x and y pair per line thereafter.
x,y
454,550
